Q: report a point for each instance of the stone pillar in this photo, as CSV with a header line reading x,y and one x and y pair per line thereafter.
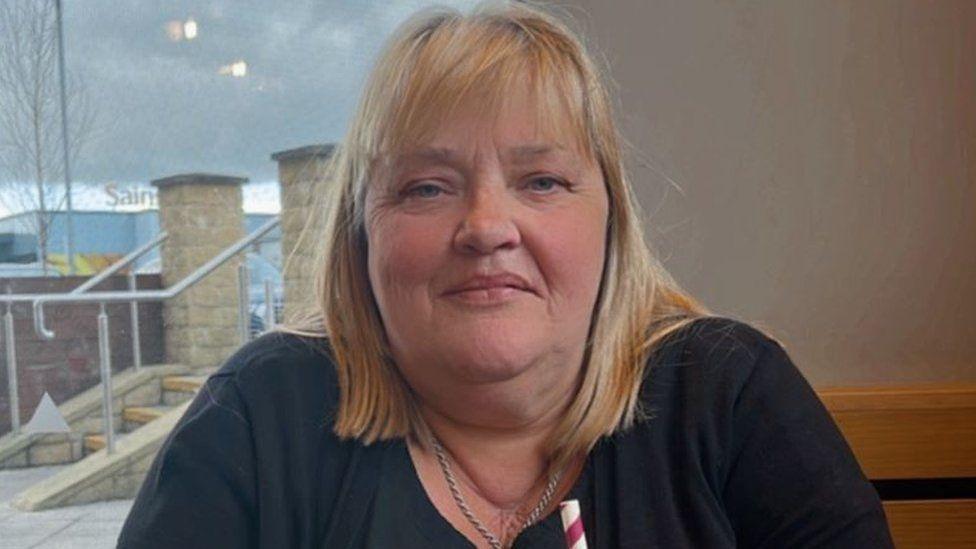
x,y
203,215
300,176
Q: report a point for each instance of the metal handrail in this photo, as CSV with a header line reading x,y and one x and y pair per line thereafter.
x,y
105,365
269,310
133,305
147,295
133,296
120,264
14,395
97,279
8,320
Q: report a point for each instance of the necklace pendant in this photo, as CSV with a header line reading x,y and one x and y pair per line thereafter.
x,y
462,505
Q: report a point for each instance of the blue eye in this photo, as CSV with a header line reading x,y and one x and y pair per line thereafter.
x,y
425,190
544,184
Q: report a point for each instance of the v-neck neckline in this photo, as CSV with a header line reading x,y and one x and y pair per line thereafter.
x,y
433,526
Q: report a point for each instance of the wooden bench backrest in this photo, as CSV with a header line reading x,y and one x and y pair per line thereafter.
x,y
915,433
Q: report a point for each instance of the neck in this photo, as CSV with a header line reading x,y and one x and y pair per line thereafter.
x,y
496,436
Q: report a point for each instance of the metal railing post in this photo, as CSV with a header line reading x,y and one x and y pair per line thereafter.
x,y
105,367
243,312
134,314
8,330
269,312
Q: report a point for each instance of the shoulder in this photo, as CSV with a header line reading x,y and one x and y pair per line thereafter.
x,y
250,436
714,346
281,370
766,444
279,353
717,338
703,369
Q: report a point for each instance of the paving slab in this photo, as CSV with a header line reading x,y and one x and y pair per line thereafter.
x,y
13,481
91,526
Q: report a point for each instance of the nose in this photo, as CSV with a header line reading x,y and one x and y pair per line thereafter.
x,y
488,224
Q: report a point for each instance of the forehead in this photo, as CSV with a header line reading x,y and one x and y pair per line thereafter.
x,y
513,103
519,131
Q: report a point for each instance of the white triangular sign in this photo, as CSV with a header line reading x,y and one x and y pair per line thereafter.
x,y
47,418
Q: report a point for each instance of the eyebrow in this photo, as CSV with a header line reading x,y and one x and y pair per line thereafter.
x,y
520,154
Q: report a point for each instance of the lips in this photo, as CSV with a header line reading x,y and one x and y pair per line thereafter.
x,y
491,282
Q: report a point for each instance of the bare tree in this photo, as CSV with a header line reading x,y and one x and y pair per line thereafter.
x,y
31,148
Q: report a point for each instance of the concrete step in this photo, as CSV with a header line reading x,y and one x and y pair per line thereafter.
x,y
101,476
184,384
131,387
181,388
143,414
133,417
94,443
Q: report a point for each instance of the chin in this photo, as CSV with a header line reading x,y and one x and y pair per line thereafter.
x,y
493,359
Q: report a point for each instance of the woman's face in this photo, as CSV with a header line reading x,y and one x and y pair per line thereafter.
x,y
486,248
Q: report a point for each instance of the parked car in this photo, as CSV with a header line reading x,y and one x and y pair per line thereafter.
x,y
259,270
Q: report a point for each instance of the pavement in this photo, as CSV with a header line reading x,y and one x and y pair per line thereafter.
x,y
91,526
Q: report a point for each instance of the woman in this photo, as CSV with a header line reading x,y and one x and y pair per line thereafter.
x,y
493,337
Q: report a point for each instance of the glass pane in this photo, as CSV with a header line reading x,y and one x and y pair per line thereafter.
x,y
151,90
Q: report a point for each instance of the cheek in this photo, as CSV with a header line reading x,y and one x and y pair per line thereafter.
x,y
571,252
403,255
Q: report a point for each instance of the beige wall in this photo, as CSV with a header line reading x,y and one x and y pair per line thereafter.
x,y
826,158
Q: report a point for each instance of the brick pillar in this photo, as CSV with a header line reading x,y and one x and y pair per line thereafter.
x,y
300,177
203,215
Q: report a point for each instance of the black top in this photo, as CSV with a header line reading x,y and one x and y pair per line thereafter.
x,y
736,451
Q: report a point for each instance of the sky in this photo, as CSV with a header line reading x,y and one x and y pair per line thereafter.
x,y
163,107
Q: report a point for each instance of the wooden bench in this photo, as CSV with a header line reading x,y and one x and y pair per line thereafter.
x,y
917,444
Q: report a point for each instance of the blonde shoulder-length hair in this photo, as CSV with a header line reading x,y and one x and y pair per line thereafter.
x,y
435,61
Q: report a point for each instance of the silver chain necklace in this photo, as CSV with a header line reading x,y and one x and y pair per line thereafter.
x,y
492,540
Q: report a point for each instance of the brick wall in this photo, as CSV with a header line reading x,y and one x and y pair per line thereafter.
x,y
68,364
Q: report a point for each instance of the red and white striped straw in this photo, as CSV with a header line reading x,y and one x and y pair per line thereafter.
x,y
569,510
